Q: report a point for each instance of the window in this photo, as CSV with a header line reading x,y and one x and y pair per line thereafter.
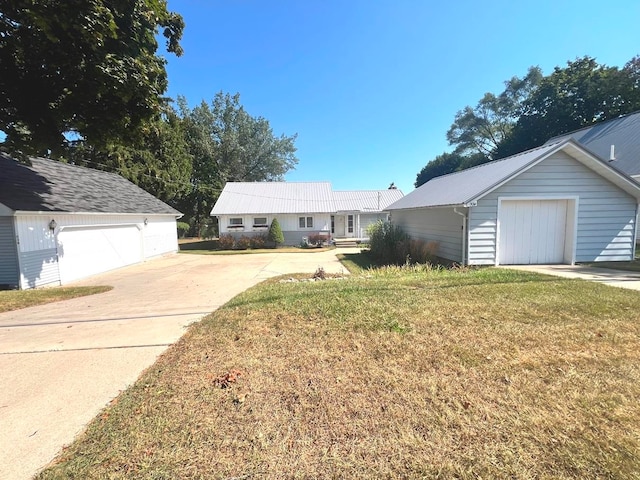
x,y
350,223
260,222
235,222
333,224
305,222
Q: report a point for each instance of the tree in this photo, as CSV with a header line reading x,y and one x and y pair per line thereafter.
x,y
158,161
481,129
229,145
447,163
581,94
275,234
85,67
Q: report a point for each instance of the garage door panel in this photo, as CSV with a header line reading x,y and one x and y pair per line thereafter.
x,y
532,231
87,251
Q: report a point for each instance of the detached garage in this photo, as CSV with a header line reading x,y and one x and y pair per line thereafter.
x,y
60,223
557,204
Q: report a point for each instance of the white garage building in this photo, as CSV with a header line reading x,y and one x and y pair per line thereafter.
x,y
60,223
555,204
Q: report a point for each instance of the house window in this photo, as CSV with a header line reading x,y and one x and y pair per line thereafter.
x,y
235,222
333,224
260,222
305,222
350,223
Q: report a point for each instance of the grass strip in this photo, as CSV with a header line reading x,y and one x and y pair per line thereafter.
x,y
17,299
400,373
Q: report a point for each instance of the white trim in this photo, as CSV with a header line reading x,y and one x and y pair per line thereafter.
x,y
530,165
573,199
60,212
139,226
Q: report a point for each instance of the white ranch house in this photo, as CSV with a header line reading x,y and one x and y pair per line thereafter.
x,y
302,209
60,223
558,203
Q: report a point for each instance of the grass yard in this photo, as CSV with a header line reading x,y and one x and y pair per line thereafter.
x,y
16,299
402,373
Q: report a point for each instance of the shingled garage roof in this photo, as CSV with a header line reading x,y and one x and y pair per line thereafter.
x,y
245,198
622,132
462,188
51,186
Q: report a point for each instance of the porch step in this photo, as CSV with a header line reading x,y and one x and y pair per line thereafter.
x,y
346,242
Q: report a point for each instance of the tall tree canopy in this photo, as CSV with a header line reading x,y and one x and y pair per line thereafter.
x,y
480,130
534,108
581,94
158,160
230,145
83,66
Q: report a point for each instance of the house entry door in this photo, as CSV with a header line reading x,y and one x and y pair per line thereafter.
x,y
339,226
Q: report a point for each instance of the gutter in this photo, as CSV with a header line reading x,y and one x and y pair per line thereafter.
x,y
464,234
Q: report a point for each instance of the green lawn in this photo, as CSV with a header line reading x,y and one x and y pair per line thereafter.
x,y
16,299
398,373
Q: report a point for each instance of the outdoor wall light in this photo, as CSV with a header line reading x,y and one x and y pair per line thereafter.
x,y
52,225
146,221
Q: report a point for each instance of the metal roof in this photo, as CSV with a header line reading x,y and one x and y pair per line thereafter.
x,y
462,187
246,198
52,186
365,200
623,132
239,198
467,186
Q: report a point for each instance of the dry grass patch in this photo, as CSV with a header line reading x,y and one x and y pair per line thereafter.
x,y
403,373
16,299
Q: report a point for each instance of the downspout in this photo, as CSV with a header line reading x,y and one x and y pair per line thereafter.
x,y
635,234
464,234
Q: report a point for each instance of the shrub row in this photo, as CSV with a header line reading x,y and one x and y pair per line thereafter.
x,y
389,244
228,242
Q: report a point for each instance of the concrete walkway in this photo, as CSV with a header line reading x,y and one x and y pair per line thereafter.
x,y
61,363
614,278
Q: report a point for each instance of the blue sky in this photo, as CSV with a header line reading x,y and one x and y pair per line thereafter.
x,y
371,87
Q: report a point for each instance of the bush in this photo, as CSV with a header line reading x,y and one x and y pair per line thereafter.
x,y
258,241
183,229
388,243
317,239
209,229
242,243
225,242
275,233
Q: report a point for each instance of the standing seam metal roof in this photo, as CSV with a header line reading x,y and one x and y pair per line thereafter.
x,y
461,187
238,198
623,132
365,200
247,198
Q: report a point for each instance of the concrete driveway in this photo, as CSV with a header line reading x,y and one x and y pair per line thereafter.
x,y
61,363
608,276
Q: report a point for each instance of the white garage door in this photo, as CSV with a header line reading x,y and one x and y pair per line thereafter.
x,y
89,250
532,231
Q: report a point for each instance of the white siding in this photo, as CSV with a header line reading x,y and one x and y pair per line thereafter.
x,y
288,223
160,236
442,225
606,214
39,268
39,248
366,219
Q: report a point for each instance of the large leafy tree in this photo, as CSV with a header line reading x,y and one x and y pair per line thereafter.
x,y
578,95
158,161
88,67
230,145
448,163
481,129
